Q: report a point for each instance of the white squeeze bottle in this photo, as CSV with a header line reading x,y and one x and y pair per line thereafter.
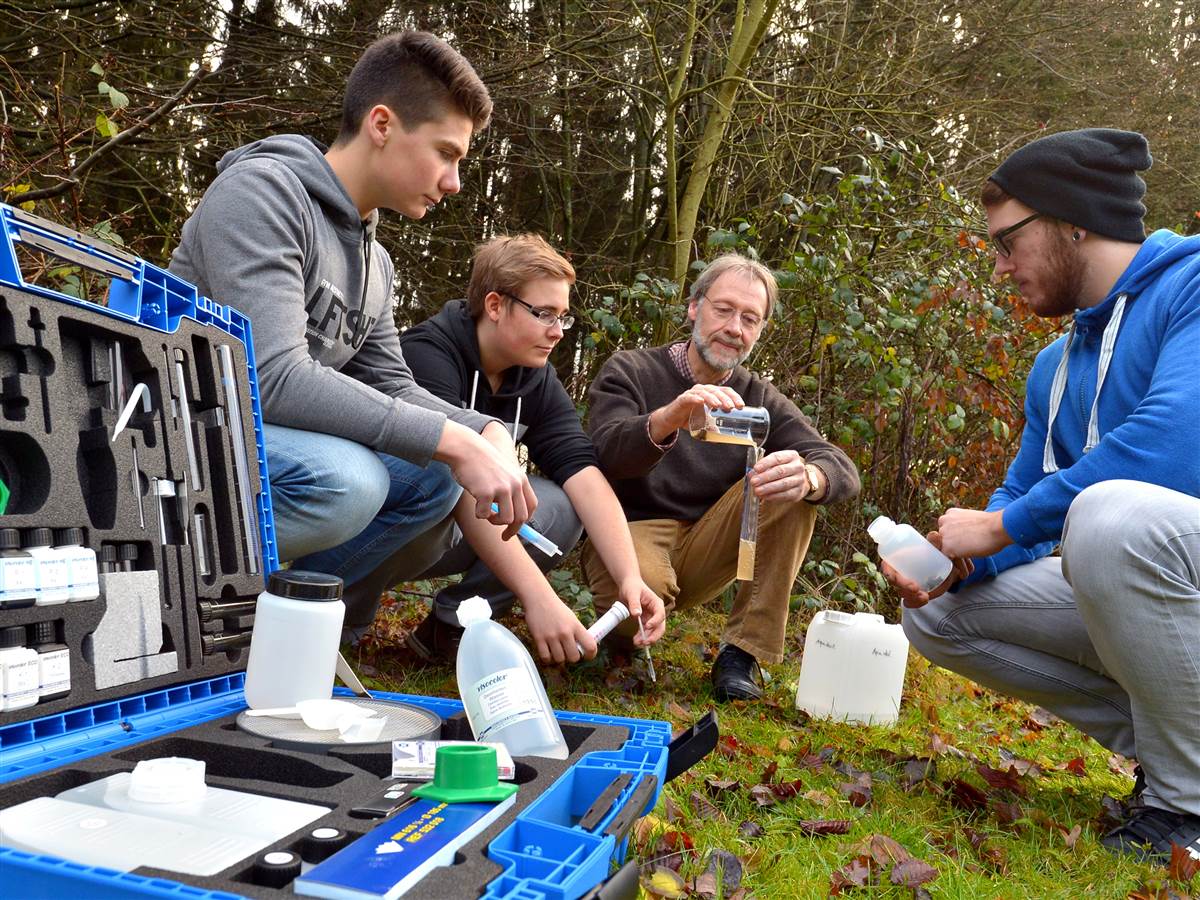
x,y
501,690
907,551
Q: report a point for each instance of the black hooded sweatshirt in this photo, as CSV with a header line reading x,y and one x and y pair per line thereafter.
x,y
443,354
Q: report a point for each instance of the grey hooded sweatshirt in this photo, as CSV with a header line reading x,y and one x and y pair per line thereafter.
x,y
277,237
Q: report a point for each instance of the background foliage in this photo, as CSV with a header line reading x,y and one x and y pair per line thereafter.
x,y
841,141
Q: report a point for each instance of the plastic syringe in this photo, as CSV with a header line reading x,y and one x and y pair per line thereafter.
x,y
542,543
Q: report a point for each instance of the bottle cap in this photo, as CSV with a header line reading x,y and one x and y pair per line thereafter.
x,y
473,609
128,552
10,539
880,528
276,868
108,553
465,773
68,537
13,636
39,537
43,633
321,843
298,585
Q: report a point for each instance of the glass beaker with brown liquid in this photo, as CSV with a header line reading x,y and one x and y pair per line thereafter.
x,y
748,426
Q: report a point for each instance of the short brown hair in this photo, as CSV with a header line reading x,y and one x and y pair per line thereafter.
x,y
419,77
742,265
993,195
506,263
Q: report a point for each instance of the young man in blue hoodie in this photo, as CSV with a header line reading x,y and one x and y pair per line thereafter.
x,y
1108,635
491,353
365,465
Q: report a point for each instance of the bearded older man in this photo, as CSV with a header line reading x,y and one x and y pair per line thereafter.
x,y
683,497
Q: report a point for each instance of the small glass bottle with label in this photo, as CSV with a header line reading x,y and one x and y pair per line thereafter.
x,y
18,572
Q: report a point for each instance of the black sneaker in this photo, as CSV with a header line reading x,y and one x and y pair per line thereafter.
x,y
735,675
435,641
1149,832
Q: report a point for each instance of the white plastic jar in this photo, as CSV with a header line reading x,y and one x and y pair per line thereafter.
x,y
294,646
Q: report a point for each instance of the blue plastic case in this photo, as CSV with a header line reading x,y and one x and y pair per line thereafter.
x,y
547,855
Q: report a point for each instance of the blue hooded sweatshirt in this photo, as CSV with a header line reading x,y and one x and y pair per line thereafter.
x,y
1148,411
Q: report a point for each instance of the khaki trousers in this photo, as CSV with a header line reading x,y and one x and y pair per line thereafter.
x,y
689,563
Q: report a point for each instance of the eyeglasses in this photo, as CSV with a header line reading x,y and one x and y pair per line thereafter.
x,y
1000,238
544,316
723,313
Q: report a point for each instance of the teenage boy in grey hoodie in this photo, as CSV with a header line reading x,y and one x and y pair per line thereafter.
x,y
365,465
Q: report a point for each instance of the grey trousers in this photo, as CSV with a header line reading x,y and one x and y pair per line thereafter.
x,y
554,519
1107,638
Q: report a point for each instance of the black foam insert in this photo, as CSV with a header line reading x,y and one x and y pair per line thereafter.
x,y
58,409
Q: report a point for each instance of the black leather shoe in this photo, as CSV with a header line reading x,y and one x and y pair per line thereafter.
x,y
435,641
735,675
1149,832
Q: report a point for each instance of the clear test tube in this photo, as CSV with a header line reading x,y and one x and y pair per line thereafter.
x,y
748,542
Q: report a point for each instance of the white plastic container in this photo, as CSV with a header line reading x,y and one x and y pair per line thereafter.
x,y
54,573
19,677
501,690
909,553
294,646
18,572
81,564
853,668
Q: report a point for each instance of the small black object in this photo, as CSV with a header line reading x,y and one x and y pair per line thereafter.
x,y
219,643
10,539
691,745
108,558
65,537
603,803
622,885
210,610
128,554
39,537
633,809
321,843
394,798
13,636
276,868
298,585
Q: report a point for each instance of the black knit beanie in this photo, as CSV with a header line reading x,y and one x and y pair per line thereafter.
x,y
1087,178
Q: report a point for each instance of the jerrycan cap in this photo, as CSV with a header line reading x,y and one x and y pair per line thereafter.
x,y
473,609
465,773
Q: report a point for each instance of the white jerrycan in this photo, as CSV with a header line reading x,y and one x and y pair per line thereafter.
x,y
853,668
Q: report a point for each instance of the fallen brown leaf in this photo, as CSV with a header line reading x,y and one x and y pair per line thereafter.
x,y
856,873
702,808
762,795
750,830
786,789
1076,766
671,809
913,872
1070,837
1183,866
768,774
726,865
1007,813
1002,780
883,849
719,786
824,827
820,798
916,771
966,796
857,792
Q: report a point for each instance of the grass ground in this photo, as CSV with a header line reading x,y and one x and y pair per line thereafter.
x,y
999,800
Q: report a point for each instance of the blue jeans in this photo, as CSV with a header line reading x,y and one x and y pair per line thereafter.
x,y
367,517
